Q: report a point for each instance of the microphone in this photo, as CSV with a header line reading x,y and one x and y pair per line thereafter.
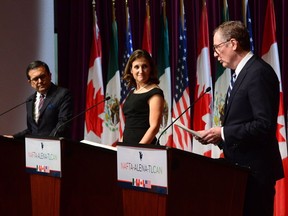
x,y
16,106
81,113
207,90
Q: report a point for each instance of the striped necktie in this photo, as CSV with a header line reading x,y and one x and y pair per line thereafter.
x,y
233,78
38,107
41,101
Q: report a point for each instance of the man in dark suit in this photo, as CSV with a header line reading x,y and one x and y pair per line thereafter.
x,y
248,132
49,107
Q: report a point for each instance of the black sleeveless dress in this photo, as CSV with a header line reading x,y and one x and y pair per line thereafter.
x,y
136,112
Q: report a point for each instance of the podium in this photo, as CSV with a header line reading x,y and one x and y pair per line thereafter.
x,y
197,186
15,192
88,185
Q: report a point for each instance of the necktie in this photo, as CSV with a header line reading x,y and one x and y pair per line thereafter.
x,y
41,101
233,78
38,107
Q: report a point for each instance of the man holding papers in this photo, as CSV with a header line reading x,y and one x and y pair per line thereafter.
x,y
248,132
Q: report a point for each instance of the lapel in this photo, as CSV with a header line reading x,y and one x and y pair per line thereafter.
x,y
30,106
237,84
49,96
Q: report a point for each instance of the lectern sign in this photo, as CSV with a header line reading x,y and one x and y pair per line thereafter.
x,y
142,168
43,156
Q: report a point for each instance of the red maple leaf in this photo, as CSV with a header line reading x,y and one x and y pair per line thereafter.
x,y
93,119
280,124
201,108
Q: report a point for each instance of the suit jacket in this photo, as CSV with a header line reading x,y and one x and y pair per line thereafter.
x,y
250,121
56,110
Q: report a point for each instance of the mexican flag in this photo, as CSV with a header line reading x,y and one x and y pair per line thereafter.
x,y
222,77
111,117
164,73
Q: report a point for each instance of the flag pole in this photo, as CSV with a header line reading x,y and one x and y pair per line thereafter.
x,y
164,12
113,10
126,14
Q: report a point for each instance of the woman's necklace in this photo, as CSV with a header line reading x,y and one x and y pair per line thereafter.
x,y
141,88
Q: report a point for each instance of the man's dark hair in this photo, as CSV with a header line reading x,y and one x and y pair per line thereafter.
x,y
36,64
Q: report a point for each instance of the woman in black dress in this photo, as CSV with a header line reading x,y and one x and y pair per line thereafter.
x,y
144,104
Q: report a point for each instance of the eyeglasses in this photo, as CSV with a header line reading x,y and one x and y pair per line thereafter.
x,y
216,47
41,77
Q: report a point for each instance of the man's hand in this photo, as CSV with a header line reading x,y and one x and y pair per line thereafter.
x,y
211,136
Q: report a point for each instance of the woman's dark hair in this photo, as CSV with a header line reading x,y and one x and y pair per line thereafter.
x,y
127,75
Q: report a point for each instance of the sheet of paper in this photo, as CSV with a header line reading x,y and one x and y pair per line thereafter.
x,y
99,145
194,133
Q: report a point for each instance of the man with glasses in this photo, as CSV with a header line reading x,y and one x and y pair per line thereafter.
x,y
248,131
49,107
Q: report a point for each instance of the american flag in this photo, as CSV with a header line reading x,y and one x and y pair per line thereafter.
x,y
124,89
147,184
181,101
249,24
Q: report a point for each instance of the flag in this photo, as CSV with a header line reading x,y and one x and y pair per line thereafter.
x,y
95,93
270,55
203,108
124,88
164,74
147,40
222,80
111,118
181,99
248,23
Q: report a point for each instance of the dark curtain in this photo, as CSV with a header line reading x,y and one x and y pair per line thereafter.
x,y
73,24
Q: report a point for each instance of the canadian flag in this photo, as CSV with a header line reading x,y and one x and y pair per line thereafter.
x,y
95,93
203,108
147,40
270,55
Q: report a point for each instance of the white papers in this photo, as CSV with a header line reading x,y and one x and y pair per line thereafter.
x,y
99,145
194,133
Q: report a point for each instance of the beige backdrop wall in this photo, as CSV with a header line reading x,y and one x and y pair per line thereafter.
x,y
26,34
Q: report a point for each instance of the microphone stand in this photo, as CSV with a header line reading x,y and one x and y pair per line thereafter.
x,y
79,114
158,140
15,107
